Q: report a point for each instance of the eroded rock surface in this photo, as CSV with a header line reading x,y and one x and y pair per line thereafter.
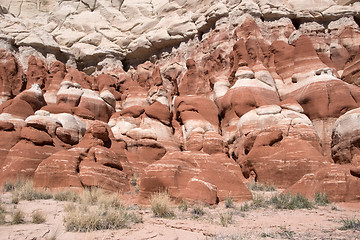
x,y
193,97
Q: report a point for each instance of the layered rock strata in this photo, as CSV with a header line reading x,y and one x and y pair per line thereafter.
x,y
195,98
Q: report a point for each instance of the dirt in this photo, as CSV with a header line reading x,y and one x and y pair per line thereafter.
x,y
264,223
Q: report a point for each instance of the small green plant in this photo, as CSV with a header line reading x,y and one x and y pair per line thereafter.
x,y
38,217
285,233
353,224
133,180
229,202
255,186
245,207
160,205
226,219
17,217
67,195
267,235
12,185
335,208
198,211
183,206
288,201
321,199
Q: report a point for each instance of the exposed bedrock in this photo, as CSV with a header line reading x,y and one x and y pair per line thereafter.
x,y
193,97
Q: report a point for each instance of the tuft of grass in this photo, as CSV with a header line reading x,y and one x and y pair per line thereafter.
x,y
285,233
183,206
259,201
84,218
353,224
255,186
110,201
2,215
26,191
229,203
198,211
12,185
66,195
288,201
321,199
245,207
226,219
15,199
38,217
91,195
17,217
160,205
97,210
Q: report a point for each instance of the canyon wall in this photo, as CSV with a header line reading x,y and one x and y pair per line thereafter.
x,y
194,97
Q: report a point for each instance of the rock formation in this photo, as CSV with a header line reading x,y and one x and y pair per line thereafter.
x,y
193,97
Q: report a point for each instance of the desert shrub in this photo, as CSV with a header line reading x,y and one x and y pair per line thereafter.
x,y
353,224
285,233
245,207
27,191
321,199
90,196
198,211
288,201
12,185
160,205
109,201
90,218
259,201
96,209
66,195
17,217
254,186
229,202
183,206
38,217
226,219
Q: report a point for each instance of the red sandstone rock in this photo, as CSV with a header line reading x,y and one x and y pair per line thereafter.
x,y
336,181
193,82
11,76
36,73
98,160
194,176
278,145
351,71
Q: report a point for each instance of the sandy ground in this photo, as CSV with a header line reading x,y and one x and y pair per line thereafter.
x,y
268,223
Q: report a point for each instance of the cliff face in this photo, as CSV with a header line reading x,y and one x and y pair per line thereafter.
x,y
196,97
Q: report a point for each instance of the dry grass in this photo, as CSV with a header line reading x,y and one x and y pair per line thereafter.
x,y
2,215
17,217
226,219
66,195
38,217
24,190
254,186
229,203
97,210
160,205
